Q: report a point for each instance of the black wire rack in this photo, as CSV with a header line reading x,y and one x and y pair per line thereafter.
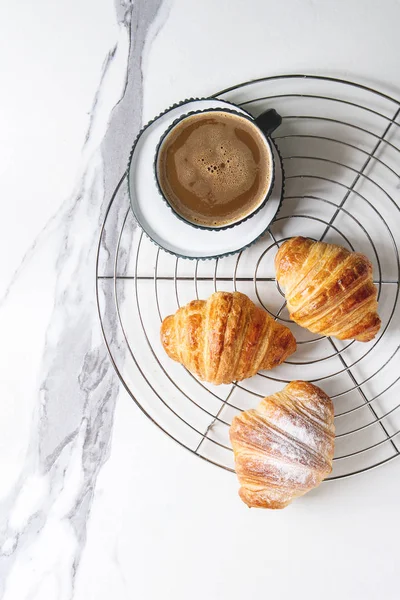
x,y
340,144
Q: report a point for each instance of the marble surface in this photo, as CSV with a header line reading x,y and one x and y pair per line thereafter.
x,y
96,502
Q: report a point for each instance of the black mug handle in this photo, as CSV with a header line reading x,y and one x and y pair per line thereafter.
x,y
268,121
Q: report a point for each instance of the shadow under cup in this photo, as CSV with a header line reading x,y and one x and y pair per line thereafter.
x,y
215,167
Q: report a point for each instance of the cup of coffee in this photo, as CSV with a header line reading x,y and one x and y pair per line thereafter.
x,y
215,167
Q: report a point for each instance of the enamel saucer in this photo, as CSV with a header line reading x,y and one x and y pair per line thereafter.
x,y
161,224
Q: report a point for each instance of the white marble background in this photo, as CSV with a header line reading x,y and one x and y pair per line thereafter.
x,y
95,502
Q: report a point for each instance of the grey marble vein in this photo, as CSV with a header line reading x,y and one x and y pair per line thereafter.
x,y
77,390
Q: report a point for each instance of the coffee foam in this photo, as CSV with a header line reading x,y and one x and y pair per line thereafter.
x,y
225,171
216,168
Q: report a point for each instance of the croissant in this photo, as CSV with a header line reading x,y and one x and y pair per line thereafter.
x,y
328,289
225,338
284,447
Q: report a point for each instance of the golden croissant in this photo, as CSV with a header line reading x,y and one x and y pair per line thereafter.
x,y
328,289
284,447
225,338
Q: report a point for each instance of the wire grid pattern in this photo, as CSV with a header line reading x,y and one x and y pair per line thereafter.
x,y
340,187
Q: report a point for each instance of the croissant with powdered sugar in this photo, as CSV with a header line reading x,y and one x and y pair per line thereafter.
x,y
284,447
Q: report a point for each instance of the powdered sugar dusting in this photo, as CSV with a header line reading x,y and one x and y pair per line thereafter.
x,y
281,450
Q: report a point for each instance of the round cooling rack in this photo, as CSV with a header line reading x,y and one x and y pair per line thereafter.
x,y
340,145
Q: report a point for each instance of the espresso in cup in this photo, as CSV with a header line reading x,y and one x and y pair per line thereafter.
x,y
214,168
